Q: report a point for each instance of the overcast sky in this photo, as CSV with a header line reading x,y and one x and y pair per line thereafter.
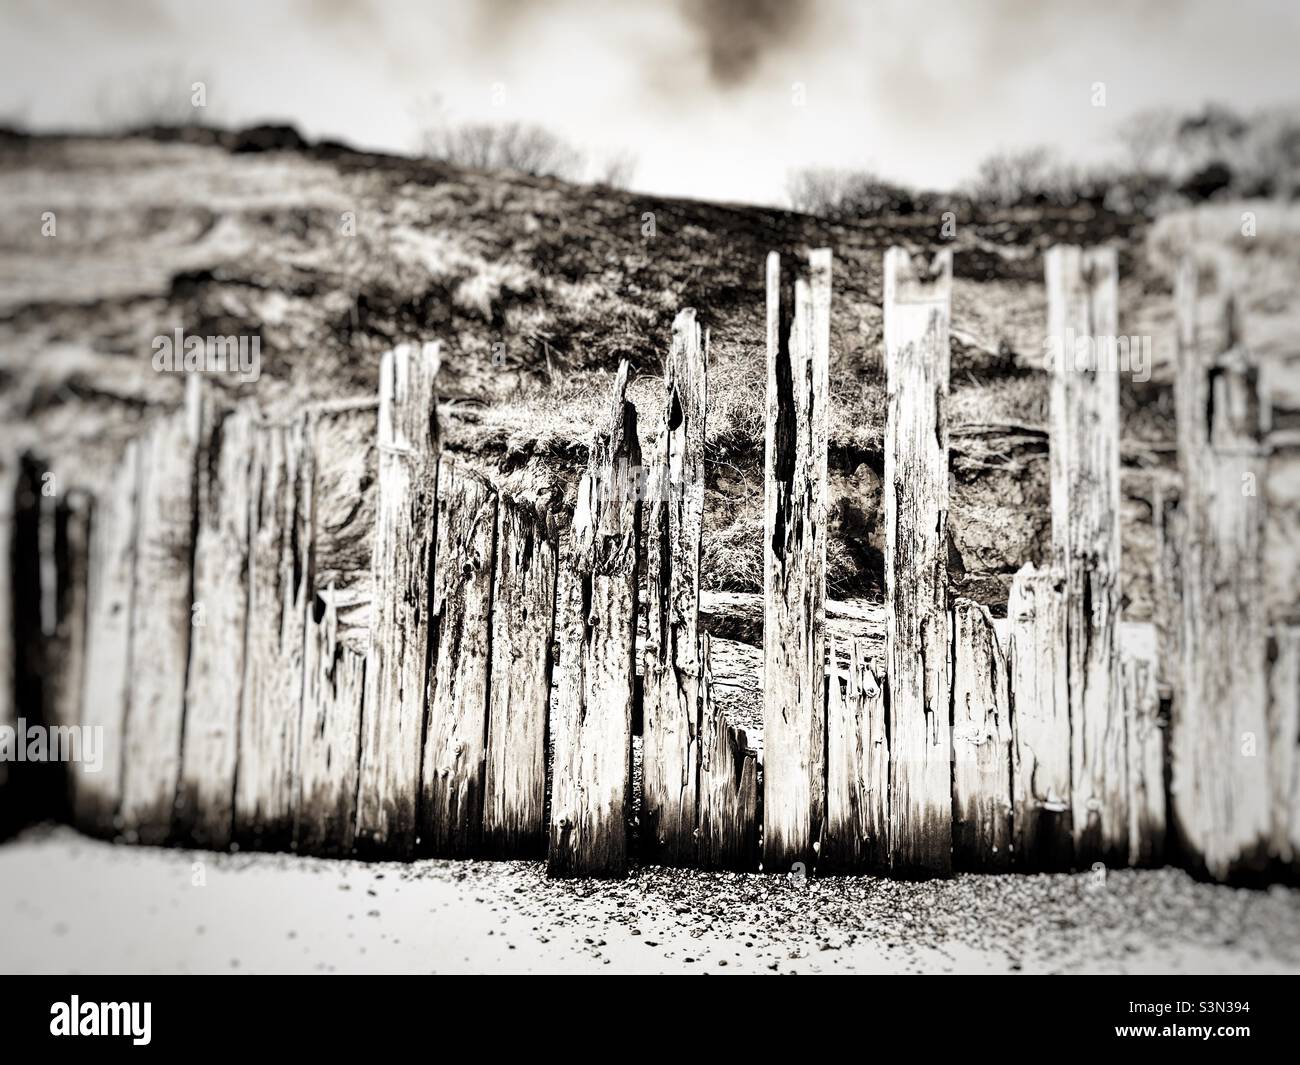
x,y
716,100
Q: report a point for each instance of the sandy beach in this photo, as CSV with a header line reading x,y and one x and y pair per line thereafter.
x,y
77,905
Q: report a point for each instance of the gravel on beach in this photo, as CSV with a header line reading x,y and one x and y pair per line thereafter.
x,y
80,905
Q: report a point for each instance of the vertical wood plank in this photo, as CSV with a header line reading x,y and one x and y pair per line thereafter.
x,y
31,567
794,586
670,677
74,516
1082,309
728,785
344,466
523,625
206,795
1220,784
1284,742
917,308
597,668
8,637
271,702
1040,715
1146,759
981,743
398,657
108,672
857,765
161,620
451,800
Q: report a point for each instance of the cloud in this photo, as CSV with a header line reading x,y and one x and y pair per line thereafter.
x,y
736,35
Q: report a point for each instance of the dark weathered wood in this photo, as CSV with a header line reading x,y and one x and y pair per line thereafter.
x,y
9,804
1145,743
728,784
917,306
1284,742
397,663
1220,784
455,755
73,515
596,632
981,743
1040,714
160,621
32,569
523,626
794,570
857,764
206,795
344,466
670,677
271,702
1082,308
107,676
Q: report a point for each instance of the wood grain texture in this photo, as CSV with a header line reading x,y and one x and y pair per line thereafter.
x,y
727,836
1146,756
73,518
8,637
1082,309
398,656
1284,743
794,570
160,621
671,667
106,684
214,685
344,469
523,626
981,743
596,632
1220,784
1038,675
271,702
917,308
455,754
857,764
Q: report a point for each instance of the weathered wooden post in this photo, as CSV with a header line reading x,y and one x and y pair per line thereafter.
x,y
31,570
343,467
857,766
794,571
110,587
1284,743
596,629
671,674
339,497
1082,329
451,800
523,627
397,661
73,515
161,619
728,785
271,702
981,743
205,796
917,307
1040,714
9,805
1145,739
1220,765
